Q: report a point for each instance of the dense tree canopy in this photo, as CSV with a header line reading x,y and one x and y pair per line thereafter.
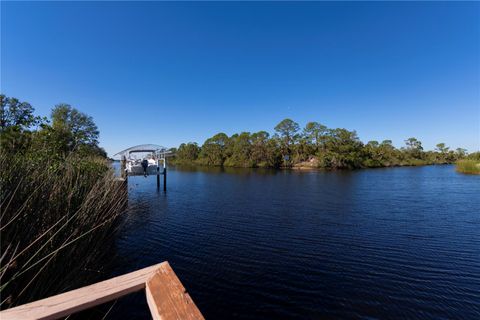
x,y
66,131
16,120
313,146
76,128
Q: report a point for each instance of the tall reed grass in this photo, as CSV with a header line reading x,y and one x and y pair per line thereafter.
x,y
469,166
57,223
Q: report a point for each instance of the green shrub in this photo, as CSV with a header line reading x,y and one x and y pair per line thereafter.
x,y
57,222
474,156
468,166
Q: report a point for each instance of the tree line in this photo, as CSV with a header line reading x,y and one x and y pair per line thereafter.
x,y
67,130
315,146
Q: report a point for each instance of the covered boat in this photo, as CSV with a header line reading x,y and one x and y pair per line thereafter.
x,y
144,159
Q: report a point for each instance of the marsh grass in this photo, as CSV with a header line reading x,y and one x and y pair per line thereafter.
x,y
469,166
57,224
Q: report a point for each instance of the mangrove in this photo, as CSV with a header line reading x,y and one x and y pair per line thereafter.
x,y
314,146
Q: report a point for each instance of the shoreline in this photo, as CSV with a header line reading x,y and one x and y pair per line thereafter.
x,y
308,168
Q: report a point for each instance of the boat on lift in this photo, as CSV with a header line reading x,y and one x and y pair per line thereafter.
x,y
145,159
144,166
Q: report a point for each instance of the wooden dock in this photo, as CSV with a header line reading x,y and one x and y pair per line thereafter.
x,y
165,294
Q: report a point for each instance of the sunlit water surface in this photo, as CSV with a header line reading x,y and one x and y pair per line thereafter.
x,y
257,244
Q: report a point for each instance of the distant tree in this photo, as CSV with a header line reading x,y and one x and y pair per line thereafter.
x,y
461,153
16,119
14,113
241,151
265,151
274,156
287,131
373,144
229,145
303,149
374,154
380,154
442,148
413,143
259,146
343,150
77,127
414,148
443,154
187,152
213,150
21,130
474,156
315,133
387,143
329,148
388,153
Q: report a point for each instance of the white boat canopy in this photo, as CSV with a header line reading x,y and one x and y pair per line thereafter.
x,y
158,150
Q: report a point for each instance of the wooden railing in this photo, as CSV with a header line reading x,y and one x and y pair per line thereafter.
x,y
165,294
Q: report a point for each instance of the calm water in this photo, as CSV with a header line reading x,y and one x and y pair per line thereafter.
x,y
257,244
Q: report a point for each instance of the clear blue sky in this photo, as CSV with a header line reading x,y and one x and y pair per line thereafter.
x,y
168,73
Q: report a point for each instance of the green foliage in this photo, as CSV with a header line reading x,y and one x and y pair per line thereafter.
x,y
443,154
16,119
75,128
214,150
315,134
241,151
315,146
381,154
460,153
287,136
188,153
287,130
474,156
442,148
343,149
59,202
414,148
14,113
58,219
469,166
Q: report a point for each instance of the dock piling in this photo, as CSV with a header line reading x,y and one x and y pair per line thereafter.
x,y
165,179
164,174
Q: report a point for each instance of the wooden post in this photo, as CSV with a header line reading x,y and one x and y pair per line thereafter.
x,y
64,304
168,299
123,166
165,175
158,177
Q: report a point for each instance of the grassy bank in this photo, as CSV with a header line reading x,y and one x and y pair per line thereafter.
x,y
59,204
57,223
468,166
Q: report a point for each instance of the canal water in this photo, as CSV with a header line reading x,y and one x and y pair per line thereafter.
x,y
278,244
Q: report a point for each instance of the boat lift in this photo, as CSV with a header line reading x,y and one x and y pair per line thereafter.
x,y
152,158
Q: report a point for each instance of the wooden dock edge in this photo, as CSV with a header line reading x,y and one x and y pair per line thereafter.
x,y
166,296
168,299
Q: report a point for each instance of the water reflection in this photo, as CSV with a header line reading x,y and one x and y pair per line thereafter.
x,y
261,243
229,170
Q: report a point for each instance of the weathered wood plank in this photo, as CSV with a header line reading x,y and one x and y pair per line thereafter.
x,y
80,299
168,299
